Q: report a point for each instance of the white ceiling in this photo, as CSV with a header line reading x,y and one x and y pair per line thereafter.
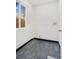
x,y
36,2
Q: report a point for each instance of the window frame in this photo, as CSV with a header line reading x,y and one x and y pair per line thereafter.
x,y
24,5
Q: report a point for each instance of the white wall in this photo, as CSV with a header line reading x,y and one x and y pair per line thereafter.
x,y
25,34
41,22
44,17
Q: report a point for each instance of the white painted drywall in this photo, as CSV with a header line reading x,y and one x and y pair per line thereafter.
x,y
37,2
41,22
46,20
25,34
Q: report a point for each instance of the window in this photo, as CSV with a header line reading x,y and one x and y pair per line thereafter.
x,y
17,15
20,15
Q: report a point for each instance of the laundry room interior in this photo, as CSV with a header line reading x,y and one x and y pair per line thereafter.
x,y
38,29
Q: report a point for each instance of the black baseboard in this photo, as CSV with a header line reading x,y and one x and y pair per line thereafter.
x,y
23,45
48,40
36,39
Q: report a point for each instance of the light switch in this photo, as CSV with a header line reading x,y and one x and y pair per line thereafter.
x,y
54,23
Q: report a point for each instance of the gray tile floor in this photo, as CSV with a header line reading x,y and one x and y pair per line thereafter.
x,y
39,49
